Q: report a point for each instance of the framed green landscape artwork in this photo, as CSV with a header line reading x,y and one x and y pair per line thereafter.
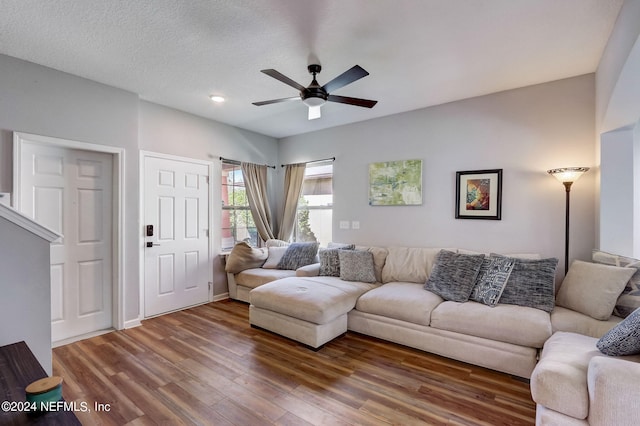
x,y
395,183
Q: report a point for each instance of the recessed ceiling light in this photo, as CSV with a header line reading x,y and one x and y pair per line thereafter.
x,y
216,98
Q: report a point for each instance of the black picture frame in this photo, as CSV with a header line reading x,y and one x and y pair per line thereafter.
x,y
479,194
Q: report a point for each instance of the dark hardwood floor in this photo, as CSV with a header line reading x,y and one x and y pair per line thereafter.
x,y
206,365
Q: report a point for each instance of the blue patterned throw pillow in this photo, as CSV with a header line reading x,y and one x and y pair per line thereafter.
x,y
298,255
624,338
492,278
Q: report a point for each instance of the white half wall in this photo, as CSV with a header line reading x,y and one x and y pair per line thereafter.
x,y
524,132
25,304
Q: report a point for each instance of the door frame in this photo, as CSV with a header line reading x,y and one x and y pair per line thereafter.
x,y
119,207
149,154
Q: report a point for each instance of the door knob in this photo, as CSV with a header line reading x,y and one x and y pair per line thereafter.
x,y
150,244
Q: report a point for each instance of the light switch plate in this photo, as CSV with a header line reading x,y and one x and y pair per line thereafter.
x,y
355,224
344,224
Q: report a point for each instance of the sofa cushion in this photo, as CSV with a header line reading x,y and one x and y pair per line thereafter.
x,y
357,265
518,325
593,288
563,319
531,284
255,277
624,338
492,278
274,257
559,381
454,275
243,256
403,301
408,264
629,300
299,254
314,299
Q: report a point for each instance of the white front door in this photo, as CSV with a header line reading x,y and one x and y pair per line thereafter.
x,y
70,191
176,229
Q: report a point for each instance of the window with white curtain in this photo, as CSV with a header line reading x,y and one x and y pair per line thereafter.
x,y
315,206
237,222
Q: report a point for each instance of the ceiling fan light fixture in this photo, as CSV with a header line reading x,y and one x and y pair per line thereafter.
x,y
314,101
314,112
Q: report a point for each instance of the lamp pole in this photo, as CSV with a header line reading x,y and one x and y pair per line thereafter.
x,y
567,186
567,175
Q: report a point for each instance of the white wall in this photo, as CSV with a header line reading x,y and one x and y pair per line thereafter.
x,y
617,112
169,131
621,58
524,132
617,192
25,304
39,100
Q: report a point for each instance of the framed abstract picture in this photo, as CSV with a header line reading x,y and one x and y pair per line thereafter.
x,y
479,194
395,183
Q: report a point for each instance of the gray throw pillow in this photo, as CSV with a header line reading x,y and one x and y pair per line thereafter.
x,y
330,261
454,275
298,255
531,284
357,265
624,338
492,279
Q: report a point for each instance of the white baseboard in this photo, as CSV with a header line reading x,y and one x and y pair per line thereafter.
x,y
219,297
132,323
74,339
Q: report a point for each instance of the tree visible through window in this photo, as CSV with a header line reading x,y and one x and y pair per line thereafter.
x,y
315,206
237,222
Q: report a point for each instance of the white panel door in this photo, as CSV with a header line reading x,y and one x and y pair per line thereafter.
x,y
176,205
70,192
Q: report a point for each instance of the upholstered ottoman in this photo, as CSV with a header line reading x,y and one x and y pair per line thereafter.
x,y
310,310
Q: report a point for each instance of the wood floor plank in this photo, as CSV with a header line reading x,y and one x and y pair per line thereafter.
x,y
208,366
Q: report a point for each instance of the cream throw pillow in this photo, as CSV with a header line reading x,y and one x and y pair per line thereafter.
x,y
593,288
243,256
275,254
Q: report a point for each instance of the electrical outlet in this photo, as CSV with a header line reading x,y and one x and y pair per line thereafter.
x,y
355,224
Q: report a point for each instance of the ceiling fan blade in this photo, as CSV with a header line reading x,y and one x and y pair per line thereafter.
x,y
275,101
283,78
352,101
347,77
314,112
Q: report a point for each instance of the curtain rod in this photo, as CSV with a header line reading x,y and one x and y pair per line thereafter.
x,y
236,162
312,161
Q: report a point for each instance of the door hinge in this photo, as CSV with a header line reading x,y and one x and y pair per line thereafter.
x,y
206,179
210,285
206,232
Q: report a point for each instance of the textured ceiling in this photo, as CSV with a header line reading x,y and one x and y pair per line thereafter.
x,y
418,52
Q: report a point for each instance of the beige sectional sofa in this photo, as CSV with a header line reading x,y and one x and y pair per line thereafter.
x,y
314,309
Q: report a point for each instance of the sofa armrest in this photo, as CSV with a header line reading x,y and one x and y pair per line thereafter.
x,y
308,271
613,391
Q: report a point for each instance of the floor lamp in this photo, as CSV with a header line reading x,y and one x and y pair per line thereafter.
x,y
567,175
